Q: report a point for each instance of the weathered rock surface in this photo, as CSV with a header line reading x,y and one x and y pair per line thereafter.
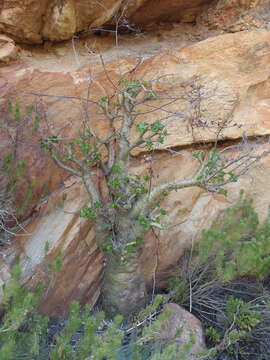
x,y
231,79
236,15
58,230
234,74
182,328
34,20
37,20
8,49
191,210
147,11
233,83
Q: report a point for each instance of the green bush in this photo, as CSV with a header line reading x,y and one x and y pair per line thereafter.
x,y
238,243
24,334
22,329
224,282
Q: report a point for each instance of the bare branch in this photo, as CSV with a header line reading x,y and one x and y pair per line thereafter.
x,y
64,166
91,188
144,205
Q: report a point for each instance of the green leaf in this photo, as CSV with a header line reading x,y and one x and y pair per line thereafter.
x,y
233,177
47,247
116,169
96,156
85,147
130,248
198,154
108,247
17,114
157,126
9,106
29,109
54,139
146,178
87,212
36,123
200,179
7,162
223,192
113,204
149,145
115,182
139,241
21,164
97,204
152,95
161,139
45,143
142,127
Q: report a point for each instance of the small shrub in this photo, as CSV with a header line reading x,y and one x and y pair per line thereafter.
x,y
24,334
16,189
224,282
22,329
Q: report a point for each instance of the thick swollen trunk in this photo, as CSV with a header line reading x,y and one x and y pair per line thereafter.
x,y
124,290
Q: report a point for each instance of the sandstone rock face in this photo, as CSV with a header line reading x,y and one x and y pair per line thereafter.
x,y
147,11
58,231
8,49
23,19
236,15
37,20
233,73
183,322
73,16
191,210
34,20
233,84
225,74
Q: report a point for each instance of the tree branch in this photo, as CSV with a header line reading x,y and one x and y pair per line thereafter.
x,y
146,204
64,166
91,188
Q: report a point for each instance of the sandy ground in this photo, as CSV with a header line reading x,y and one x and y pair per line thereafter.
x,y
84,49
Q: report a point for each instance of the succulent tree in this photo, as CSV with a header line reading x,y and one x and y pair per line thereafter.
x,y
129,206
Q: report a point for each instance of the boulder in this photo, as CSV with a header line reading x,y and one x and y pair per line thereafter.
x,y
182,328
8,50
63,20
147,11
34,21
23,19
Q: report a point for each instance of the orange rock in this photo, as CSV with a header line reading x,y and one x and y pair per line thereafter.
x,y
236,15
33,21
147,11
234,72
177,329
8,49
